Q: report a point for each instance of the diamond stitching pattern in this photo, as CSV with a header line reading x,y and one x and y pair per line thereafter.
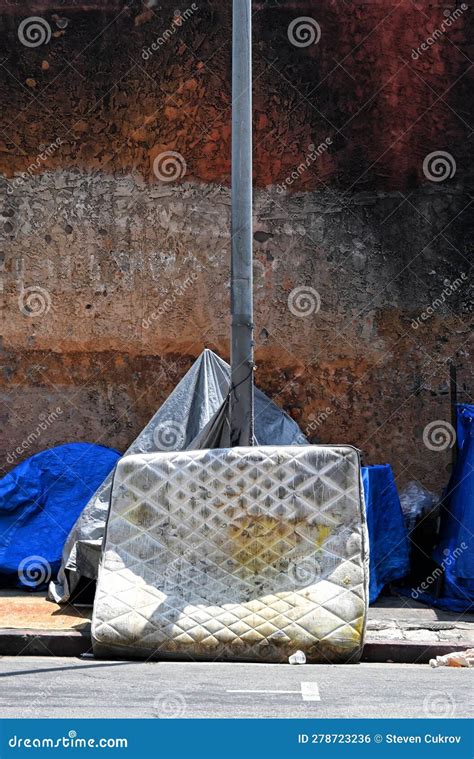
x,y
244,553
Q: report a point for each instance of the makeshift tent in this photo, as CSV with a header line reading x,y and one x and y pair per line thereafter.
x,y
454,551
193,417
388,538
40,499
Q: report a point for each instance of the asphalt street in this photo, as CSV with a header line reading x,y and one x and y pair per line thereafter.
x,y
64,687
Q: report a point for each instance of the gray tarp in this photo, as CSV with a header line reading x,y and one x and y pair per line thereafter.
x,y
194,416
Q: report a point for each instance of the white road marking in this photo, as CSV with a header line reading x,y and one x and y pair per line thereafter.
x,y
309,691
263,691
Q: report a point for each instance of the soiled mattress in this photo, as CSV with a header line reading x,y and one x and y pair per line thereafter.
x,y
235,554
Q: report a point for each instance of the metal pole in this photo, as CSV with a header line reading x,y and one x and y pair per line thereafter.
x,y
453,393
241,401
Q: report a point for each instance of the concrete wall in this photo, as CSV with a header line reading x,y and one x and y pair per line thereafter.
x,y
114,278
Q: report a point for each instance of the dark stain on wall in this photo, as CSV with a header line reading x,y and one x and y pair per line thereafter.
x,y
115,102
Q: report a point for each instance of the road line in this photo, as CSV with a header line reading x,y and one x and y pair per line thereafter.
x,y
310,692
263,691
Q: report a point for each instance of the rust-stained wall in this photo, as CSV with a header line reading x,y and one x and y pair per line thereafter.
x,y
133,270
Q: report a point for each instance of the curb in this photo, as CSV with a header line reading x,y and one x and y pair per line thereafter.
x,y
74,643
44,642
408,652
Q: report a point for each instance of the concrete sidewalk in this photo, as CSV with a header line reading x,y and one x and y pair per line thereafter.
x,y
25,610
402,630
398,629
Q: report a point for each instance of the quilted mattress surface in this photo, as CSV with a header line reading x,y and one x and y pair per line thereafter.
x,y
235,554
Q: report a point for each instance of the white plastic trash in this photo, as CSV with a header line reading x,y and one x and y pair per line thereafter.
x,y
455,659
297,658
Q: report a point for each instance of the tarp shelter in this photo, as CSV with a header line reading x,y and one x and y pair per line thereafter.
x,y
454,551
40,499
195,416
389,546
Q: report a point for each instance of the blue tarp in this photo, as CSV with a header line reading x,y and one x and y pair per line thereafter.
x,y
388,539
39,502
41,499
454,550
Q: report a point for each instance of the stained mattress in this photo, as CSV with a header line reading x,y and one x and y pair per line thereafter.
x,y
235,554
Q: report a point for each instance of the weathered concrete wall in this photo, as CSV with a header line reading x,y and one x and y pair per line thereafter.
x,y
132,269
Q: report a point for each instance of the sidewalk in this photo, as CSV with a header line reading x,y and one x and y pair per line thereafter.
x,y
402,630
398,629
31,625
